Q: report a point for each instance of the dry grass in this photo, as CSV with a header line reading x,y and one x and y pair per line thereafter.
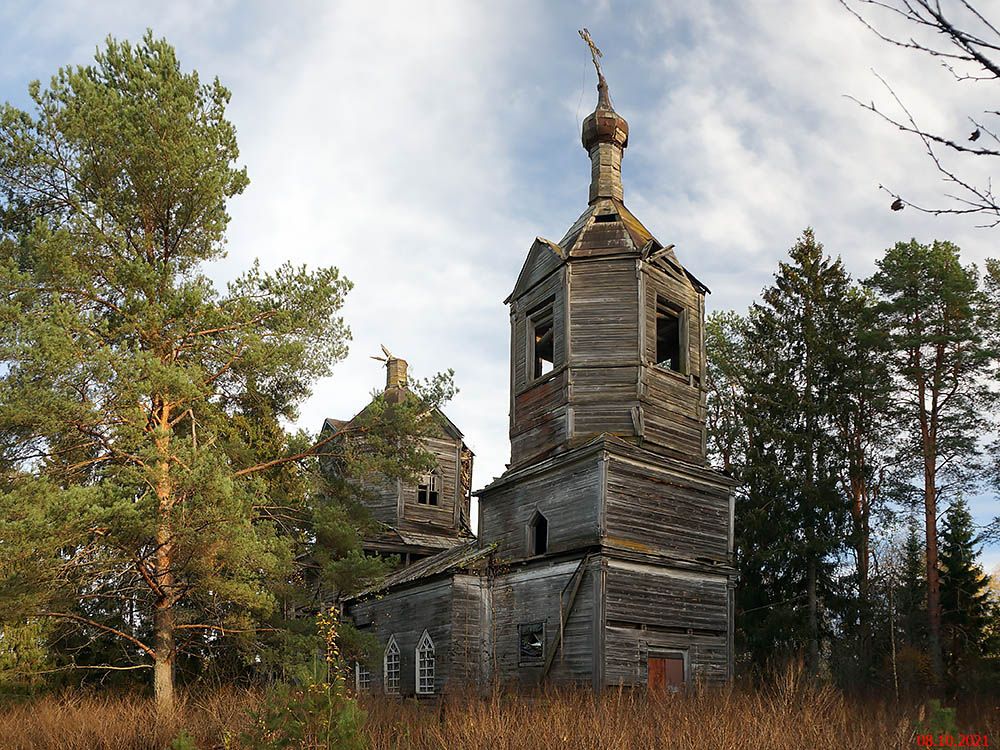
x,y
791,713
96,721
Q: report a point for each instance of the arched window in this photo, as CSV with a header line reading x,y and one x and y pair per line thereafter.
x,y
425,665
427,490
390,666
538,534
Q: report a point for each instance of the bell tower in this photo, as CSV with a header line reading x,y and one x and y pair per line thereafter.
x,y
617,533
606,325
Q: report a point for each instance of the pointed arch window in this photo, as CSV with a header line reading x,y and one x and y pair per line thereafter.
x,y
538,534
428,489
425,665
390,666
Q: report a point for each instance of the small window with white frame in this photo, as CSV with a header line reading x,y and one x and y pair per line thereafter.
x,y
425,665
362,678
390,666
427,489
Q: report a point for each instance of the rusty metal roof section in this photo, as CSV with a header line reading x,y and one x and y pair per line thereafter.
x,y
464,557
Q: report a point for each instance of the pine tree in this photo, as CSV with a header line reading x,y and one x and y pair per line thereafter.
x,y
864,432
150,496
937,326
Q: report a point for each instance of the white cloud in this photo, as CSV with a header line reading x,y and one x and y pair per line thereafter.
x,y
421,148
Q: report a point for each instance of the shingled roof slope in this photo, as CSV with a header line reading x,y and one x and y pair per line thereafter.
x,y
457,558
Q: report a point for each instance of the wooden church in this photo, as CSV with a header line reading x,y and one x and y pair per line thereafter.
x,y
432,514
604,552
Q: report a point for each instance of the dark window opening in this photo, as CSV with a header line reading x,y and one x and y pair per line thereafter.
x,y
541,337
532,639
427,490
606,217
538,537
669,335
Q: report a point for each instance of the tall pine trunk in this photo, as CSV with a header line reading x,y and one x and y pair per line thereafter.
x,y
933,577
928,435
163,616
862,548
163,668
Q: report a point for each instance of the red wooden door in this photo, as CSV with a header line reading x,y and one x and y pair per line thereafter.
x,y
665,673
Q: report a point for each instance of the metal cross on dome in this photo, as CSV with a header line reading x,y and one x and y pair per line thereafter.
x,y
595,53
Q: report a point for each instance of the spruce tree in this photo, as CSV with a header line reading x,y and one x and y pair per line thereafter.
x,y
911,597
792,521
965,600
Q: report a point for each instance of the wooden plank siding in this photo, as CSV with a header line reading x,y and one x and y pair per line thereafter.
x,y
567,490
551,288
673,403
538,417
650,608
471,616
668,509
604,314
674,414
628,650
419,517
405,614
532,594
381,499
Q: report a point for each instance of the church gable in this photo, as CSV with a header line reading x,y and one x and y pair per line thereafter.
x,y
544,257
435,506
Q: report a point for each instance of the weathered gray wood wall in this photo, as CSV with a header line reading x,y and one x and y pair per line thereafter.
x,y
650,607
669,509
531,594
538,406
567,490
405,614
447,512
605,377
673,403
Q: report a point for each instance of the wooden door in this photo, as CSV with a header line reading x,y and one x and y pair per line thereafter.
x,y
665,673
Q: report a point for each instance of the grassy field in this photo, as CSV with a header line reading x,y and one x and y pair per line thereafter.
x,y
786,714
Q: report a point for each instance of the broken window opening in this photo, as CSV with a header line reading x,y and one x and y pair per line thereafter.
x,y
670,327
538,534
541,337
390,666
606,218
425,665
532,640
427,490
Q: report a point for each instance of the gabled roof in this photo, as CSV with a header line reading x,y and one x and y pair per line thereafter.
x,y
543,257
462,557
390,536
449,427
627,234
333,424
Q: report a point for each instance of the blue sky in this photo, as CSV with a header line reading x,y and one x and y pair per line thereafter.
x,y
421,147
